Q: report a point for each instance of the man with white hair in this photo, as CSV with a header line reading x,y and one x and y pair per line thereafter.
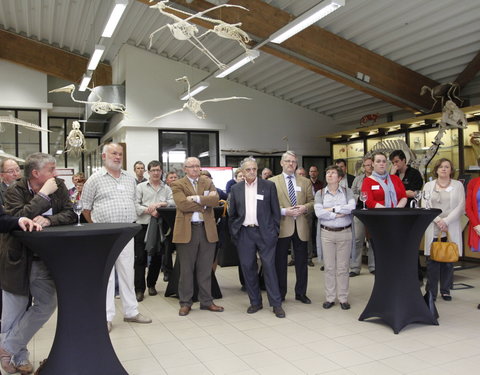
x,y
109,196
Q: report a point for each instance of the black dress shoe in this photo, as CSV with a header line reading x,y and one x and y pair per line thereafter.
x,y
353,274
322,268
311,264
303,298
345,305
152,291
278,311
327,305
165,277
372,272
139,296
252,309
478,307
446,297
291,263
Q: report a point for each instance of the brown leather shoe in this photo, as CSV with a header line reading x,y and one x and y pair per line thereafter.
x,y
5,360
212,307
184,310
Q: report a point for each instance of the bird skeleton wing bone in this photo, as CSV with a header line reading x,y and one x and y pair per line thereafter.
x,y
15,121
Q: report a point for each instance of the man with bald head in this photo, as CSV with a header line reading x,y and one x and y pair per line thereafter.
x,y
195,235
10,172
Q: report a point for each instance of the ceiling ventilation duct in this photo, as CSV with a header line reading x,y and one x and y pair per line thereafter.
x,y
109,94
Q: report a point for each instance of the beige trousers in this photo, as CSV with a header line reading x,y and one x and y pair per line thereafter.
x,y
336,248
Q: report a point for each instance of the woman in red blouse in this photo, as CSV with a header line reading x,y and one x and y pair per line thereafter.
x,y
383,189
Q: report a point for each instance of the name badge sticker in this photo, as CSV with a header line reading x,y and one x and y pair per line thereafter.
x,y
375,187
120,187
206,192
449,189
298,188
260,197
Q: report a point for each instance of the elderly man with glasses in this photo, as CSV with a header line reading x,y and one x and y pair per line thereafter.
x,y
10,172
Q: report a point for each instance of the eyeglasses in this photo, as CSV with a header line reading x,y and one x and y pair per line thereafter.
x,y
192,166
12,171
290,161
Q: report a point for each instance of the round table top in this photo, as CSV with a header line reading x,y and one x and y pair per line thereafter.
x,y
397,212
83,230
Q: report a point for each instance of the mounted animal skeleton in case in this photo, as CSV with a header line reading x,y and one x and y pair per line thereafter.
x,y
452,117
181,29
194,105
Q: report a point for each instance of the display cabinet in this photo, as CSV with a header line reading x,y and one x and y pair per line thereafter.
x,y
352,152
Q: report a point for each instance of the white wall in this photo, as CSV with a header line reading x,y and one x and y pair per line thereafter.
x,y
22,87
258,124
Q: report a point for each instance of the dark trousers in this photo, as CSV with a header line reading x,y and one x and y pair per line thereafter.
x,y
439,271
248,243
141,260
300,250
167,263
196,256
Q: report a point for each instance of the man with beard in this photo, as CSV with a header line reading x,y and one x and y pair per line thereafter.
x,y
109,197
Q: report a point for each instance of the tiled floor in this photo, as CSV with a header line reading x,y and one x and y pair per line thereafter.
x,y
310,340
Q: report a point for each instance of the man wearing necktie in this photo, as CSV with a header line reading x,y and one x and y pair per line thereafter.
x,y
296,201
195,234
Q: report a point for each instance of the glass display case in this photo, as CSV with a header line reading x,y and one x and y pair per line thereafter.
x,y
352,152
471,151
421,141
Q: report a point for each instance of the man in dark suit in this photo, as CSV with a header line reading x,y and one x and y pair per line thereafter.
x,y
10,172
195,234
346,181
254,219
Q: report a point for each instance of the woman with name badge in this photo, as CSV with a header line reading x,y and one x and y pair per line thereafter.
x,y
383,189
448,195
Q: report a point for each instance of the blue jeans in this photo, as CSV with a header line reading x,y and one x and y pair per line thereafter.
x,y
19,325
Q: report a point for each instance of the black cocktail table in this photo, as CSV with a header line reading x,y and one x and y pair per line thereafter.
x,y
396,233
80,260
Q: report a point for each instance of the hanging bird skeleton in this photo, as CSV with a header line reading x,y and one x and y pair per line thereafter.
x,y
194,105
75,143
15,121
181,29
452,117
102,108
442,92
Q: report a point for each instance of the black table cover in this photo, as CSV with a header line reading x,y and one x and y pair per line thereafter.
x,y
80,260
396,233
168,214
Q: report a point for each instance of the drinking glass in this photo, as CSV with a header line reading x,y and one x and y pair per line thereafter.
x,y
77,208
363,198
426,197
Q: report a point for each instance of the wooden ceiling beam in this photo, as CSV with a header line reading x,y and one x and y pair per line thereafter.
x,y
389,81
50,60
469,72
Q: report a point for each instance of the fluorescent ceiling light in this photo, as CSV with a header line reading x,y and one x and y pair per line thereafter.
x,y
306,19
96,56
117,12
87,77
239,62
195,90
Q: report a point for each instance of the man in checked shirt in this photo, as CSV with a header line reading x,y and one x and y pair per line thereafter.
x,y
109,197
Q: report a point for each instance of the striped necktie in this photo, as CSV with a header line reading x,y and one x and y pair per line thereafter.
x,y
291,191
195,186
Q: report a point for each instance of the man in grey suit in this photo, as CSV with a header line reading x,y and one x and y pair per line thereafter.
x,y
254,219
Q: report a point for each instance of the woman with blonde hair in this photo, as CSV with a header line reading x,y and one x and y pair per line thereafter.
x,y
448,195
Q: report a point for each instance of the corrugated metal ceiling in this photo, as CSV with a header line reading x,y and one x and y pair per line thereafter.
x,y
436,38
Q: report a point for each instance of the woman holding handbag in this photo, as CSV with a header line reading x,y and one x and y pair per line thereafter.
x,y
448,195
